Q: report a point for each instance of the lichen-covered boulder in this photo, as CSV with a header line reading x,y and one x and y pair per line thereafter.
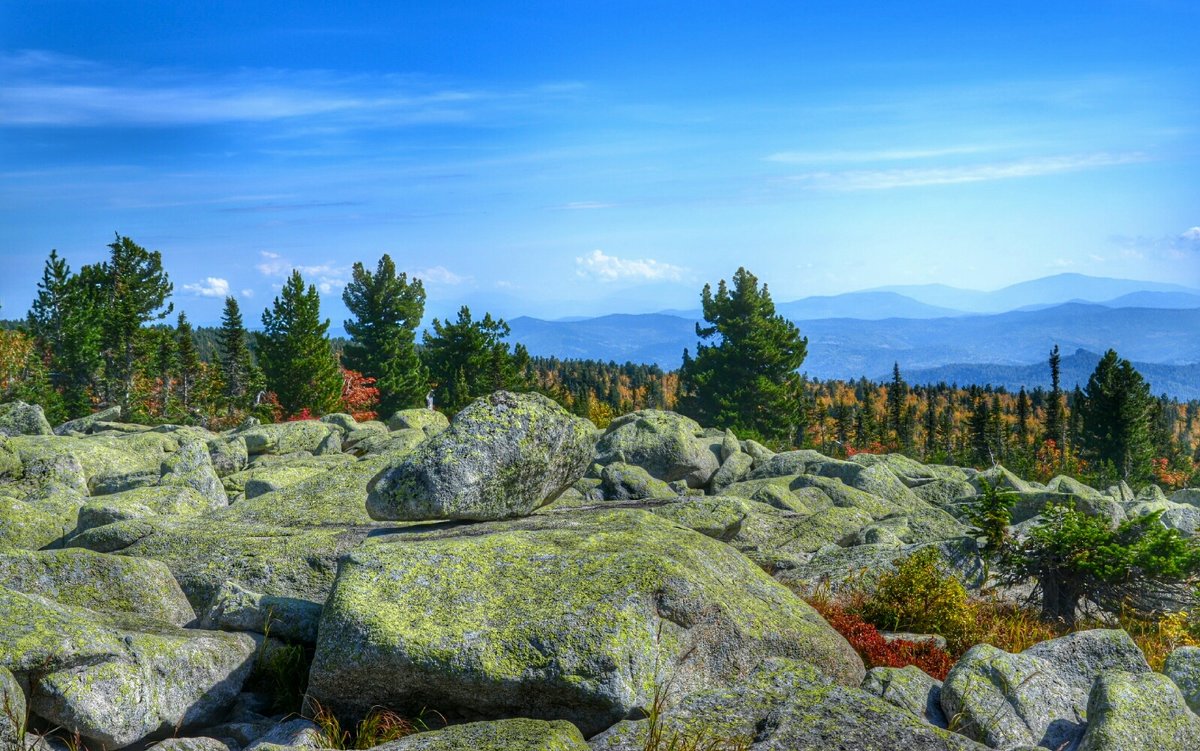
x,y
570,616
621,481
342,420
909,688
1037,697
842,569
1181,516
140,503
395,443
785,705
236,608
733,469
191,466
116,681
497,735
260,481
85,423
109,463
1183,667
1138,711
19,418
25,526
428,421
110,584
333,495
503,456
200,743
294,733
228,454
286,437
12,712
667,445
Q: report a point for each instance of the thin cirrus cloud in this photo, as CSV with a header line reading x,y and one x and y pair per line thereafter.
x,y
329,277
838,156
211,287
606,268
884,179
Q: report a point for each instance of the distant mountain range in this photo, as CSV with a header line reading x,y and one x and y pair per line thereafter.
x,y
859,334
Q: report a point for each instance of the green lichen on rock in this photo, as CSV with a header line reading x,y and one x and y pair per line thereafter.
x,y
784,704
571,616
334,495
620,481
286,437
667,445
909,688
109,463
140,503
503,456
497,735
104,583
236,608
24,526
192,467
12,712
428,421
1183,667
19,418
1138,711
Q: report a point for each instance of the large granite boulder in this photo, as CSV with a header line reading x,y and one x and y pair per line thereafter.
x,y
12,712
570,616
428,421
140,503
1183,667
84,424
236,608
192,467
909,688
667,445
503,456
19,418
784,705
497,735
287,437
1138,711
116,681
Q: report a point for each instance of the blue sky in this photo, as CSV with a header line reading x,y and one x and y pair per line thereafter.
x,y
568,158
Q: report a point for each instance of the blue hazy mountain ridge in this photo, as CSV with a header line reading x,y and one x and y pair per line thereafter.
x,y
854,347
1049,290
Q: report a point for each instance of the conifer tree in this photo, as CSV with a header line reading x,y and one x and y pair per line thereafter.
x,y
236,363
296,353
1055,422
189,361
65,322
897,393
387,310
166,361
1023,419
746,380
133,291
1115,416
468,359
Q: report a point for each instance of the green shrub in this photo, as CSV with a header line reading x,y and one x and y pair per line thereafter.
x,y
921,597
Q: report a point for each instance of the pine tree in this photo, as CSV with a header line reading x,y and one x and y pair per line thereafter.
x,y
981,424
897,393
166,362
387,311
931,425
747,380
134,290
189,361
1055,423
468,359
65,321
296,353
1115,415
236,363
1023,419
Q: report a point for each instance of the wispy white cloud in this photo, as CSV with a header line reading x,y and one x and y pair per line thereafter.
x,y
854,180
586,205
247,293
1191,235
326,276
608,268
838,156
211,287
438,275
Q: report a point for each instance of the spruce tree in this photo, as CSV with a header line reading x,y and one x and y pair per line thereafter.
x,y
1055,422
134,290
296,353
65,321
897,393
1116,415
166,362
189,362
1023,419
387,310
236,363
468,359
747,379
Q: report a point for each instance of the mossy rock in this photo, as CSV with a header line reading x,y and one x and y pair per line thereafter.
x,y
236,608
503,456
104,583
1138,710
570,616
228,454
621,481
909,688
345,422
396,443
262,480
496,735
140,503
334,495
205,552
667,445
286,437
430,422
1181,516
25,526
191,466
19,418
109,463
733,469
778,492
117,680
798,462
1183,667
910,471
12,712
84,424
784,704
848,568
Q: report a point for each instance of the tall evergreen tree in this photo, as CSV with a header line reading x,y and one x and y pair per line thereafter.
x,y
65,321
897,394
166,363
746,380
296,353
1023,413
1115,415
931,425
387,310
189,361
237,366
468,359
134,289
1055,421
981,425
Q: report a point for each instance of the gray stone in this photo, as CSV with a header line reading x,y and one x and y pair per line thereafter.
x,y
428,421
497,735
191,466
200,743
733,469
1190,496
286,437
558,616
238,609
228,454
140,503
346,422
1138,711
19,418
785,705
909,688
1183,667
294,733
503,456
620,481
12,712
84,424
667,445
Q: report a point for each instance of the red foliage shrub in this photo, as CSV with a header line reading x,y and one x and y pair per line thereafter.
x,y
359,395
877,652
304,414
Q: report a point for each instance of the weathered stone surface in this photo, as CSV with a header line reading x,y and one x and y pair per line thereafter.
x,y
228,454
503,456
1190,496
118,681
12,712
260,481
140,503
24,525
1181,516
19,418
844,568
236,608
190,744
1138,711
497,735
335,495
787,705
293,733
1183,667
1037,697
286,437
84,424
667,445
909,688
109,463
428,421
733,469
345,422
104,583
562,616
191,466
396,443
621,481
